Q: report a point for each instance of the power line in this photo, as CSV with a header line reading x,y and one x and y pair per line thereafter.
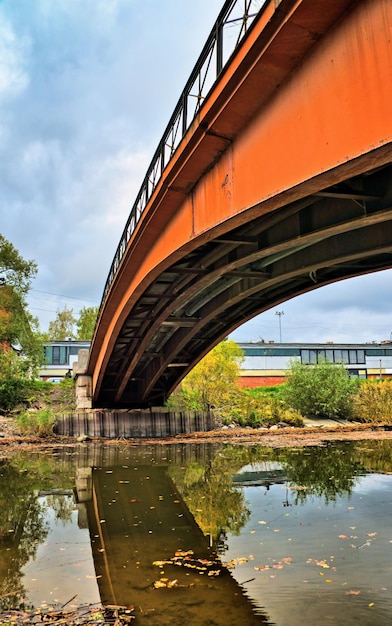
x,y
60,295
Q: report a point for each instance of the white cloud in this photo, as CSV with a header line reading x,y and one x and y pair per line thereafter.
x,y
13,53
86,91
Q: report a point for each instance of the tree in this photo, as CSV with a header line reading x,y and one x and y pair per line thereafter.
x,y
320,390
17,326
61,328
86,323
212,382
14,270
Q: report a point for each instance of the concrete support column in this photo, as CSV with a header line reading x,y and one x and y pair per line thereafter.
x,y
83,388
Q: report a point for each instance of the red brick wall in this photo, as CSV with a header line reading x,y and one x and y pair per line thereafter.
x,y
250,382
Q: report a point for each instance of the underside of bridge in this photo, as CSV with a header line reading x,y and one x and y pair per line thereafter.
x,y
339,232
283,186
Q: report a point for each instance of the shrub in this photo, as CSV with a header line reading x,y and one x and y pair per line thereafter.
x,y
320,390
39,424
373,402
14,379
261,411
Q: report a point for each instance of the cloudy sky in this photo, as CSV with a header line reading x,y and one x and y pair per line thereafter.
x,y
86,90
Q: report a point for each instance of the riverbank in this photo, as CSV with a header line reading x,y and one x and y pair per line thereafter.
x,y
315,432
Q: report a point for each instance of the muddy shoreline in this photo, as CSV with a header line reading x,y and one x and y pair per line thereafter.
x,y
281,437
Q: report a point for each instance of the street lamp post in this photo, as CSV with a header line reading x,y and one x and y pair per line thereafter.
x,y
280,313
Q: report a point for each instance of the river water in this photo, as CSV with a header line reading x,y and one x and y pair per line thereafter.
x,y
202,534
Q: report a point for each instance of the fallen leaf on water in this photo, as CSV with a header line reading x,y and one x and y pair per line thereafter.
x,y
371,534
322,563
371,604
352,592
343,537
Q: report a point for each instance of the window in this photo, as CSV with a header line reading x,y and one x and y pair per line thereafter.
x,y
59,355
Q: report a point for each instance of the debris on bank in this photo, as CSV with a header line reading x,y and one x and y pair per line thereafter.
x,y
111,615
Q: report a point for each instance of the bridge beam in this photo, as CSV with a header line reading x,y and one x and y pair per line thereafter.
x,y
281,185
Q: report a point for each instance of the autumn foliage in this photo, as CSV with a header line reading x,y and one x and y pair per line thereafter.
x,y
373,402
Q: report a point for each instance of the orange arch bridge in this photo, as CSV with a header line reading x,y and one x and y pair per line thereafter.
x,y
279,182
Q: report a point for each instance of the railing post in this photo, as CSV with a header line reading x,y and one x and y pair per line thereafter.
x,y
219,48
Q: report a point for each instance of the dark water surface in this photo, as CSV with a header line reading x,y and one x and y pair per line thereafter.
x,y
202,534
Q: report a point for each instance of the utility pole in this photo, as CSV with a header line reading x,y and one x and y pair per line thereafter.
x,y
280,313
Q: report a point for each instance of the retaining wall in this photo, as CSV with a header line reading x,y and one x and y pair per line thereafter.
x,y
157,422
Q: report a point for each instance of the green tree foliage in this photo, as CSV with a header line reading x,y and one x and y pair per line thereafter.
x,y
213,382
14,270
86,323
17,326
61,328
320,390
15,377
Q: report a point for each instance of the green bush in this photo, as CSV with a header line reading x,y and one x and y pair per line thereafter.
x,y
264,410
320,390
14,379
39,424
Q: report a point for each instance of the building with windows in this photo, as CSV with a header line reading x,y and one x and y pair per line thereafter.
x,y
60,357
266,364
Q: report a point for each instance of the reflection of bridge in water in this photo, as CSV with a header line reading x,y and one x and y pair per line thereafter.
x,y
136,518
260,474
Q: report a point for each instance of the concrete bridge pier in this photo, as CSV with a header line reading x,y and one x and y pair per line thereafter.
x,y
83,388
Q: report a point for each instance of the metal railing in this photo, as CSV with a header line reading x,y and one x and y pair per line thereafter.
x,y
229,29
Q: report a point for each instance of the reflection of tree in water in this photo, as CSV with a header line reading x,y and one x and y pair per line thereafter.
x,y
22,528
375,456
62,505
328,472
219,507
